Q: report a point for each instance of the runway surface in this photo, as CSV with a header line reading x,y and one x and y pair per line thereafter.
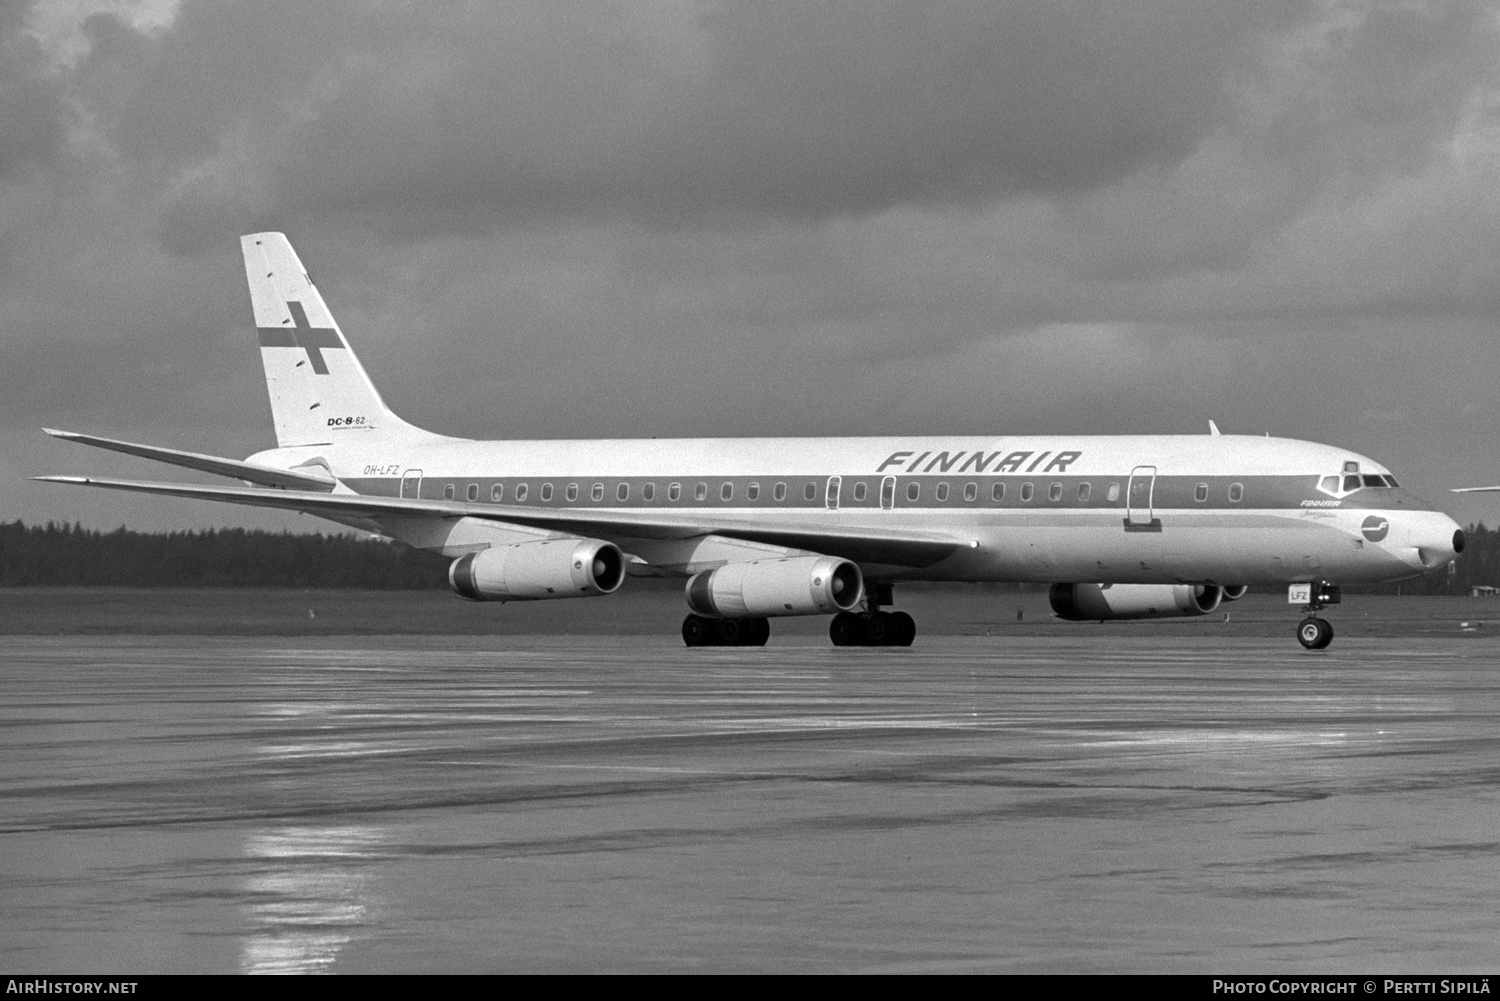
x,y
1161,802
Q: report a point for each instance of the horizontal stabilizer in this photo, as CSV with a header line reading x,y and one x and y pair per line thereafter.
x,y
873,545
264,475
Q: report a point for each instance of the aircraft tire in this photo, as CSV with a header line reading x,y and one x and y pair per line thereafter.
x,y
757,632
698,630
732,632
1314,633
903,629
877,629
845,629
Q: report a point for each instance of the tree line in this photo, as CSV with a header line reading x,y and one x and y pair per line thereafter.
x,y
228,557
236,557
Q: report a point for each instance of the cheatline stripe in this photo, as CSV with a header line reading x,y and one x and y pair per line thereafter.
x,y
1170,493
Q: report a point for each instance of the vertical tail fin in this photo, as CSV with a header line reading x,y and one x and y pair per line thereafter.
x,y
319,391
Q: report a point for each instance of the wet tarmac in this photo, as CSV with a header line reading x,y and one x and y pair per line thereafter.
x,y
1152,803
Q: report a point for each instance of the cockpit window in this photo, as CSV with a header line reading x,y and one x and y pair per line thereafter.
x,y
1336,486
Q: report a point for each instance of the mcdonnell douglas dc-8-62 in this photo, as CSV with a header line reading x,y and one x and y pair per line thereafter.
x,y
1120,526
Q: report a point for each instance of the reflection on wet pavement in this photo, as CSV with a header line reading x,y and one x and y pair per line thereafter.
x,y
308,897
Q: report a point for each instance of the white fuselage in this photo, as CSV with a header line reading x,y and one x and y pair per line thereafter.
x,y
1112,509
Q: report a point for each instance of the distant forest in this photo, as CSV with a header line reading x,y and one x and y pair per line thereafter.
x,y
229,557
235,557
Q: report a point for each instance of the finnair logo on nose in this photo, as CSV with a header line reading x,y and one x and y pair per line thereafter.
x,y
1375,528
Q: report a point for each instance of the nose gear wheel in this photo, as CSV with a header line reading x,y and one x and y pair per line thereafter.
x,y
1314,633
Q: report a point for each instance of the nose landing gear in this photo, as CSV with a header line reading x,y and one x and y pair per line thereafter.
x,y
1313,632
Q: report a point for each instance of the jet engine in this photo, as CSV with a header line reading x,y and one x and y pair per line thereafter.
x,y
796,585
1097,602
560,568
1235,592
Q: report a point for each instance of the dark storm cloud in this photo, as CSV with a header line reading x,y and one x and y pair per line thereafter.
x,y
31,112
574,219
418,118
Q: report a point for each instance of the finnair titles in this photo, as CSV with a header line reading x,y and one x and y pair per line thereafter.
x,y
1120,526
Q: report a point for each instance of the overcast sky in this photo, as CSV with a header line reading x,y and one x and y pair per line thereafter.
x,y
561,219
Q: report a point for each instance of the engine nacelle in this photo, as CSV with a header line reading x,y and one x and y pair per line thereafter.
x,y
1236,592
559,568
796,585
1098,602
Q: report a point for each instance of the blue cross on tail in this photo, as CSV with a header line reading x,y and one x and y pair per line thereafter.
x,y
302,334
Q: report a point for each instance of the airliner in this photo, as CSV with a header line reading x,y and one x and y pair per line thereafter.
x,y
1120,526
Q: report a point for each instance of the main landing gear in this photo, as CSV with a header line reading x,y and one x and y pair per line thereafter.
x,y
1314,632
700,630
873,627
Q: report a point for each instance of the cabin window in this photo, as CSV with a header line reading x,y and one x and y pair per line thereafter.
x,y
1026,491
810,492
780,492
546,491
674,492
1113,493
997,492
971,491
859,492
572,492
648,492
1374,481
913,490
522,490
597,493
752,492
1236,492
942,491
1351,482
1054,492
497,492
1200,493
1084,490
726,491
700,492
622,492
1390,481
888,493
448,492
473,492
1329,485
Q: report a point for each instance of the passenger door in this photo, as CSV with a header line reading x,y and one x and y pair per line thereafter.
x,y
1140,515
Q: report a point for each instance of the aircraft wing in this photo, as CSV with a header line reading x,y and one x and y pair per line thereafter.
x,y
234,468
861,544
1474,490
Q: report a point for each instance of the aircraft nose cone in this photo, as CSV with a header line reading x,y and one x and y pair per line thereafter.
x,y
1423,540
1437,540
